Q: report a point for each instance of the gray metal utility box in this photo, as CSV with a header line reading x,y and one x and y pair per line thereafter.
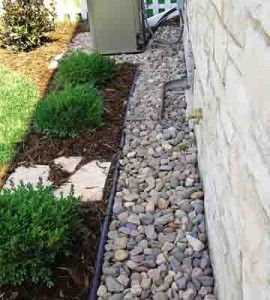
x,y
115,25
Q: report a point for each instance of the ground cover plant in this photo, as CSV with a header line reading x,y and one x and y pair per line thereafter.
x,y
35,230
70,112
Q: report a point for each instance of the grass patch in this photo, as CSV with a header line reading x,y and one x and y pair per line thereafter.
x,y
70,112
35,230
18,99
81,67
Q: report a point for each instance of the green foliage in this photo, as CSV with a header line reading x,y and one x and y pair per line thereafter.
x,y
196,115
25,23
183,147
18,98
81,67
35,229
70,112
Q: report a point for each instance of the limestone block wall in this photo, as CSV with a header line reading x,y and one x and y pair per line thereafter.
x,y
230,42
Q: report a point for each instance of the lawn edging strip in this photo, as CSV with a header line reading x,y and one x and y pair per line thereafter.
x,y
106,223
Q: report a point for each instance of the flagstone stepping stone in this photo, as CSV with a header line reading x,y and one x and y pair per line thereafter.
x,y
29,175
68,164
88,182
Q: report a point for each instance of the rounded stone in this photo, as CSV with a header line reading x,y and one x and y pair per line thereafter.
x,y
121,255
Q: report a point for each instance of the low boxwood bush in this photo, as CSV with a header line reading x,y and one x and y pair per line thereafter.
x,y
70,112
25,23
80,67
35,230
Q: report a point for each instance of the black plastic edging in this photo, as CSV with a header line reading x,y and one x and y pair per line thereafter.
x,y
106,223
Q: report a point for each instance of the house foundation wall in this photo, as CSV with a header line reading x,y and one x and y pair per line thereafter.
x,y
230,44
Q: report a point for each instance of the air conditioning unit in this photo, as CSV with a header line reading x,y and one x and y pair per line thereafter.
x,y
116,26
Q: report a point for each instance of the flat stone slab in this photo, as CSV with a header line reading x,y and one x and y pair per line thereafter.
x,y
68,164
88,182
29,175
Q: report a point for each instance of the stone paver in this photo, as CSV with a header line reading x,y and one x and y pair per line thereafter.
x,y
68,164
157,242
29,175
88,182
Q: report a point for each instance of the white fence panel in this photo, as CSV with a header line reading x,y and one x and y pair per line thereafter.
x,y
73,9
154,7
67,9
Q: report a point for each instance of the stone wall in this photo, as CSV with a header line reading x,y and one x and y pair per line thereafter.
x,y
230,41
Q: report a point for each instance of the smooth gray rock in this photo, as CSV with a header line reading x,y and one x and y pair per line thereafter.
x,y
164,219
113,285
150,232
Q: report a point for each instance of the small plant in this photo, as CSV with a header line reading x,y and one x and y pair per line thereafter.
x,y
25,23
196,115
70,112
35,230
81,67
183,147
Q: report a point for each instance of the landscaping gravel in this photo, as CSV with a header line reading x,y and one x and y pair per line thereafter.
x,y
157,243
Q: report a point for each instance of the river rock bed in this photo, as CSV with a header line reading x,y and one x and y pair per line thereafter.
x,y
157,242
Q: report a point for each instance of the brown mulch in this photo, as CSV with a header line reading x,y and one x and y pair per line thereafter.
x,y
73,275
34,64
101,144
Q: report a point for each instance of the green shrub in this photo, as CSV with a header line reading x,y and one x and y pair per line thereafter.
x,y
80,67
25,23
35,230
70,112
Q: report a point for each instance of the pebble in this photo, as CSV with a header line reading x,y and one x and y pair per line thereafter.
x,y
189,182
181,283
164,219
162,203
167,247
113,285
206,280
123,279
196,244
157,243
189,294
197,195
135,219
146,219
102,291
121,255
120,243
150,232
160,296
